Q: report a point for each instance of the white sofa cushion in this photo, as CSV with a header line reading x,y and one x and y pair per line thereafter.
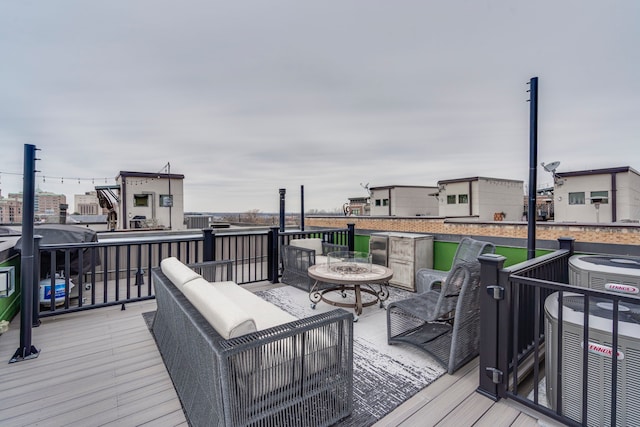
x,y
264,314
177,272
227,316
313,243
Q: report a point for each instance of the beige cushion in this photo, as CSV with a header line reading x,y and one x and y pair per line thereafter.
x,y
314,243
177,272
264,314
227,316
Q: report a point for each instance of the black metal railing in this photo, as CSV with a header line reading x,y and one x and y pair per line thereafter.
x,y
530,356
337,236
344,236
98,274
83,276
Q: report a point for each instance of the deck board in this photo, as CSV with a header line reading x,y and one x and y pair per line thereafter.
x,y
102,368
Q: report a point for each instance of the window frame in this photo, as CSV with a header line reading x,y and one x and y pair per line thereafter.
x,y
137,198
602,195
574,199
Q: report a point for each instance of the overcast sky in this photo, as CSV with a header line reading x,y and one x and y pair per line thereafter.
x,y
246,97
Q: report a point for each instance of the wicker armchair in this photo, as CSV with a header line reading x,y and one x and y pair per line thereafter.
x,y
299,255
444,323
468,251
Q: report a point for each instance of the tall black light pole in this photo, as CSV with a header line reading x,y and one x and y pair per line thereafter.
x,y
283,191
170,196
26,349
533,164
302,208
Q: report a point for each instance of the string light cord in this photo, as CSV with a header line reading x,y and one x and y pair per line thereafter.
x,y
58,178
165,169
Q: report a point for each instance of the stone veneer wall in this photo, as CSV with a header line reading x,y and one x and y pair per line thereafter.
x,y
617,234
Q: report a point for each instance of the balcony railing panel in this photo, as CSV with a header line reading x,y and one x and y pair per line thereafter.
x,y
534,355
118,271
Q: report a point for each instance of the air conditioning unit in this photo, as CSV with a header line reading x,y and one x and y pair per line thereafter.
x,y
600,354
606,272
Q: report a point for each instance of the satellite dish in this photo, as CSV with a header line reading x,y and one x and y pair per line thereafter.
x,y
551,167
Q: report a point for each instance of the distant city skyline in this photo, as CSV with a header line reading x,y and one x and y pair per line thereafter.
x,y
244,98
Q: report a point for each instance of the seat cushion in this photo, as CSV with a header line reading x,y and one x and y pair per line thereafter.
x,y
228,317
314,243
264,314
177,272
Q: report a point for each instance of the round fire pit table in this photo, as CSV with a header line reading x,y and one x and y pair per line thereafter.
x,y
349,271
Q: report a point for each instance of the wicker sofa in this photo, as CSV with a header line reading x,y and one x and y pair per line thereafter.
x,y
299,255
237,360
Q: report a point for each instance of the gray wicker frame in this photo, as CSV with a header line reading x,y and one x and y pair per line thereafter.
x,y
296,262
468,251
445,323
296,374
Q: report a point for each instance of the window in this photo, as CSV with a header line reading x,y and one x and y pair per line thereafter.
x,y
385,202
600,196
463,198
166,200
140,200
451,200
576,198
378,202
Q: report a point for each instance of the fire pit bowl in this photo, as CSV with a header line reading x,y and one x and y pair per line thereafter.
x,y
349,262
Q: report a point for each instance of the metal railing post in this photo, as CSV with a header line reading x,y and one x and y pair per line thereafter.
x,y
351,238
208,245
490,375
273,254
27,350
36,281
567,243
283,214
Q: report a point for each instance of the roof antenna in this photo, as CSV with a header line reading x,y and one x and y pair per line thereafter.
x,y
366,187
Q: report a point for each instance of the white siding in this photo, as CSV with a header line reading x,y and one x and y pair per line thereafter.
x,y
404,201
565,212
454,189
378,196
154,187
487,197
500,196
412,201
627,198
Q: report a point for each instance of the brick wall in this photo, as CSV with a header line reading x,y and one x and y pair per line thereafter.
x,y
619,234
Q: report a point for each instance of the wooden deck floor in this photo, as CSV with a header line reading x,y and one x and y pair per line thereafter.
x,y
102,368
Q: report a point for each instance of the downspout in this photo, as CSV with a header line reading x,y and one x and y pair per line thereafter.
x,y
389,202
302,208
471,197
170,197
614,198
533,161
124,203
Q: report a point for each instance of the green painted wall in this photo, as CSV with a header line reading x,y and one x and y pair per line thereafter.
x,y
361,243
443,252
11,305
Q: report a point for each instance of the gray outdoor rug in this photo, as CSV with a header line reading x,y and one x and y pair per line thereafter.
x,y
384,376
